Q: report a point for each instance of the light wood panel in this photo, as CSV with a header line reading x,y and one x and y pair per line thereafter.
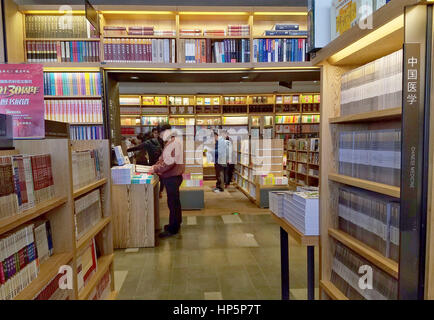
x,y
134,216
330,289
381,115
14,25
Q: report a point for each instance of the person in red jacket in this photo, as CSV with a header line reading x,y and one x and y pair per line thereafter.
x,y
170,168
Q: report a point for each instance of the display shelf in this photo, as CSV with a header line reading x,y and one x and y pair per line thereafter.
x,y
85,123
72,97
84,240
47,271
139,37
295,233
385,264
103,265
62,39
358,46
90,187
366,184
11,223
246,193
381,115
331,290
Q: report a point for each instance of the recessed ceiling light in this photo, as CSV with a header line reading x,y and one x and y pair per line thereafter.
x,y
134,78
245,77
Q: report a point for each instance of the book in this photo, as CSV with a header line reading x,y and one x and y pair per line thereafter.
x,y
139,50
62,51
72,84
374,86
86,167
19,264
43,239
279,50
74,111
207,51
87,212
285,33
56,26
102,289
283,26
51,291
86,132
87,264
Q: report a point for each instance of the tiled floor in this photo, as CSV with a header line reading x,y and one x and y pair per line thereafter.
x,y
214,257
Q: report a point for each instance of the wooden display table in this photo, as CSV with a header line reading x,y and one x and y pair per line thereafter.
x,y
310,242
135,214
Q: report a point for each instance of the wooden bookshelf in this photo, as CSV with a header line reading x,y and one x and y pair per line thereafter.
x,y
103,264
386,264
90,187
366,184
331,290
382,115
84,240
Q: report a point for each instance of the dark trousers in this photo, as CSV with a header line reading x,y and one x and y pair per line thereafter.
x,y
229,172
220,176
172,185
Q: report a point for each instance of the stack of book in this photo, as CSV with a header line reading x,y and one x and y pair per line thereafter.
x,y
74,111
373,155
280,29
95,132
141,31
114,31
86,167
122,174
19,264
276,201
215,32
301,209
165,33
139,50
374,86
190,32
102,289
25,181
87,212
52,291
239,30
345,276
43,239
86,264
279,50
62,51
58,26
371,218
72,84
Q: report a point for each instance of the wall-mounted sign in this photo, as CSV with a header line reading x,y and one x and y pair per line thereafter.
x,y
22,97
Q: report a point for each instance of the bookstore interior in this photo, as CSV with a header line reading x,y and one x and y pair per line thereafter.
x,y
238,151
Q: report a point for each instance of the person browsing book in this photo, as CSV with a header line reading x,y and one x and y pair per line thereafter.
x,y
150,147
170,168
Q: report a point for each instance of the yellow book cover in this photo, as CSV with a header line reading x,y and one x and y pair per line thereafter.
x,y
87,83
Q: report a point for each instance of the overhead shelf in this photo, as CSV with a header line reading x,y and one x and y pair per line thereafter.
x,y
359,46
366,184
385,264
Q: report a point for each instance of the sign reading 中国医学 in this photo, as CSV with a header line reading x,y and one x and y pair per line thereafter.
x,y
22,97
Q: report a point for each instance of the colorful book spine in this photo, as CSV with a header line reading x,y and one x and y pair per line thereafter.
x,y
72,84
62,51
95,132
74,111
279,50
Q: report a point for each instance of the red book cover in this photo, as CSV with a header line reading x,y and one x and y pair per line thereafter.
x,y
36,173
59,51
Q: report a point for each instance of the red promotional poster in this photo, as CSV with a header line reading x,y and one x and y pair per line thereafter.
x,y
22,97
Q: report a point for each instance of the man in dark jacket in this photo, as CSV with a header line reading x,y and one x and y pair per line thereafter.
x,y
152,147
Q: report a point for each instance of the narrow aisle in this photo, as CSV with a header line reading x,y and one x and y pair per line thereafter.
x,y
215,256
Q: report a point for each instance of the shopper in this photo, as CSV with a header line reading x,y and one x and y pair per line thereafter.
x,y
156,135
229,169
220,161
150,147
170,168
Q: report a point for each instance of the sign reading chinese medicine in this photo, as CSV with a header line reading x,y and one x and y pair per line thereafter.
x,y
22,97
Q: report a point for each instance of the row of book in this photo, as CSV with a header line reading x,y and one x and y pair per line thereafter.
x,y
300,208
303,144
296,99
21,253
72,84
25,181
208,51
374,86
87,212
297,129
140,50
52,291
279,50
62,51
373,155
345,276
116,31
74,111
59,26
86,132
371,218
86,167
